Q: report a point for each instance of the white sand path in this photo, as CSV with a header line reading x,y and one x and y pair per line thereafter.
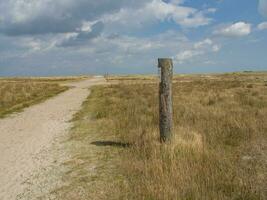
x,y
24,135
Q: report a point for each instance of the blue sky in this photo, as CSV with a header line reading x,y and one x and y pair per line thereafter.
x,y
69,37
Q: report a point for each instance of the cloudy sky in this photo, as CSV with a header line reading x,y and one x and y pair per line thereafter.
x,y
64,37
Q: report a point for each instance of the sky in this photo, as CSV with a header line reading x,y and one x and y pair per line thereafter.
x,y
72,37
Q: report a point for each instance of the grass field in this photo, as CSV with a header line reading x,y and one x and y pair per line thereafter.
x,y
218,152
18,93
63,79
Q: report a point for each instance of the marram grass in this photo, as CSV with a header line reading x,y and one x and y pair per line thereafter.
x,y
218,149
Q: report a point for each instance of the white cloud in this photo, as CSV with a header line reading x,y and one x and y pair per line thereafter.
x,y
158,10
107,49
216,48
88,32
24,17
205,46
234,30
262,26
99,33
186,55
263,7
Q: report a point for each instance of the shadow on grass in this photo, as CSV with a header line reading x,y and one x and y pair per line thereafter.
x,y
111,143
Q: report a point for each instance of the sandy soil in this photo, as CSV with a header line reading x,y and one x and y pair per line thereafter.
x,y
27,139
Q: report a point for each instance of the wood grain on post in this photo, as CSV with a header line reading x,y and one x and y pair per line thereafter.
x,y
165,99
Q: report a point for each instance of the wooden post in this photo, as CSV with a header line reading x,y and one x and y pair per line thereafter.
x,y
165,99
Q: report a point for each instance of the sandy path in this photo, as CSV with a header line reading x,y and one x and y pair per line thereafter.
x,y
25,138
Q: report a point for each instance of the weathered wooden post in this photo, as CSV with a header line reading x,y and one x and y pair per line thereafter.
x,y
165,99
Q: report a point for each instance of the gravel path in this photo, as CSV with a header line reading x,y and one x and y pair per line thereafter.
x,y
26,138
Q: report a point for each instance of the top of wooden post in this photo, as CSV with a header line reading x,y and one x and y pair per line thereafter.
x,y
164,62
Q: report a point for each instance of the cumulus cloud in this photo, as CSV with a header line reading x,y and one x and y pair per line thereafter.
x,y
103,32
86,33
22,17
158,10
263,7
108,53
199,48
216,48
262,26
203,44
186,55
238,29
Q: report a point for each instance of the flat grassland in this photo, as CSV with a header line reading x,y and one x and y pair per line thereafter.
x,y
18,93
218,151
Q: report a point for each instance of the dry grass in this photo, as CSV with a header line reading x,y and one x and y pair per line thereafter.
x,y
16,94
133,79
91,170
219,149
59,79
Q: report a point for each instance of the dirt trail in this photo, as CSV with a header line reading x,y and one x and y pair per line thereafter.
x,y
26,138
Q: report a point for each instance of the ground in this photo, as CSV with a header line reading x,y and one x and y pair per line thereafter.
x,y
27,139
111,148
218,150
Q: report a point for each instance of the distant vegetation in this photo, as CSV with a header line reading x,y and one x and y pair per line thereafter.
x,y
43,79
218,152
18,93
